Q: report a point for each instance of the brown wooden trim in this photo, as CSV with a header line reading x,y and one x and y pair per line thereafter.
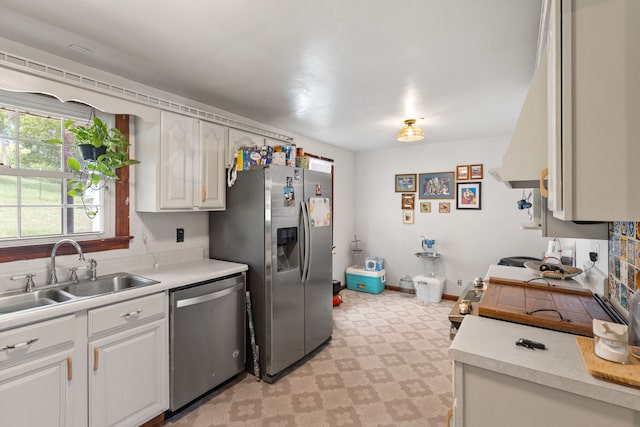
x,y
399,289
122,185
450,297
20,253
154,422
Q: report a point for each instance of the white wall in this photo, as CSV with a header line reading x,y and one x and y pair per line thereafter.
x,y
469,240
155,232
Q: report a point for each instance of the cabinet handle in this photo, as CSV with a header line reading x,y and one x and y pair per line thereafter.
x,y
69,368
20,344
132,314
544,192
203,193
96,356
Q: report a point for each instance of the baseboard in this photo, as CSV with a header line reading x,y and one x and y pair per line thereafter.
x,y
399,289
155,422
413,291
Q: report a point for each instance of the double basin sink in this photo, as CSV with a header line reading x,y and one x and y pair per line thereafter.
x,y
12,302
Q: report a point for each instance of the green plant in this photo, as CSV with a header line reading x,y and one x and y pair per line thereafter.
x,y
90,174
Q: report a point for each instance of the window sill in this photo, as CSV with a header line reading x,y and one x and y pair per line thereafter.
x,y
20,253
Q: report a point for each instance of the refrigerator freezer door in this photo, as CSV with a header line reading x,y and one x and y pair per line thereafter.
x,y
284,289
318,316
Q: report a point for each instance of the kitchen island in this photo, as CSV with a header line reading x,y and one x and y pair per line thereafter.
x,y
498,383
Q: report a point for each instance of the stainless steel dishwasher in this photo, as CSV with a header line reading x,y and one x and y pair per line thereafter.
x,y
207,336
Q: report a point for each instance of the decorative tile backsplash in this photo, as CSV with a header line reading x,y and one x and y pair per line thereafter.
x,y
624,260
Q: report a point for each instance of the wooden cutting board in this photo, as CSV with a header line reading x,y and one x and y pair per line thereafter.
x,y
628,374
561,309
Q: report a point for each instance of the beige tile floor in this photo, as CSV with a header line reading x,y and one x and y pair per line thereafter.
x,y
387,365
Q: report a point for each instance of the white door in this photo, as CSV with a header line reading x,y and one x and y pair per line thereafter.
x,y
213,140
176,161
127,376
37,393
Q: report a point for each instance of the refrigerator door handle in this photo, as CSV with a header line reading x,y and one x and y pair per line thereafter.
x,y
307,241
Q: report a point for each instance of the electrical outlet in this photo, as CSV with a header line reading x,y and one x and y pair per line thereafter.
x,y
593,256
179,235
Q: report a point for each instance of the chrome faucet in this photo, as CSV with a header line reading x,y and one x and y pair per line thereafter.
x,y
93,268
53,279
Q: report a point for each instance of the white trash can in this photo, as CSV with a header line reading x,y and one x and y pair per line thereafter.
x,y
429,289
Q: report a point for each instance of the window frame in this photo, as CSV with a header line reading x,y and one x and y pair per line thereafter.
x,y
121,237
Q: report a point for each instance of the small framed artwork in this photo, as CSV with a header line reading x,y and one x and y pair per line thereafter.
x,y
436,185
475,172
425,207
407,216
408,201
468,195
444,207
405,183
462,172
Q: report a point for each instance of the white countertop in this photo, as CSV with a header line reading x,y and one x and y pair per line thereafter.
x,y
170,276
490,344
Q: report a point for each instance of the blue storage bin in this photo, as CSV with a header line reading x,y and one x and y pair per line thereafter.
x,y
362,280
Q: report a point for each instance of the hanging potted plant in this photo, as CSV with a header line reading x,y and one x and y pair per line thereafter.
x,y
104,151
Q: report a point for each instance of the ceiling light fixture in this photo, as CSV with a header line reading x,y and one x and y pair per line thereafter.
x,y
410,133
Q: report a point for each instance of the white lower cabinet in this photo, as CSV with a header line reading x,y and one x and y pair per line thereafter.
x,y
115,358
125,379
128,362
43,382
488,398
36,374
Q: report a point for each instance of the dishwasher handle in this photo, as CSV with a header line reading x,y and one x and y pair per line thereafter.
x,y
209,296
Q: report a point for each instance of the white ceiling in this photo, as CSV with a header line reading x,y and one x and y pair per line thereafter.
x,y
344,72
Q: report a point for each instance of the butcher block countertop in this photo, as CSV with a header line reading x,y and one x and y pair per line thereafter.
x,y
490,344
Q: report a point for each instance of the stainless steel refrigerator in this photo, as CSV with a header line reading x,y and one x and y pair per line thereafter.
x,y
278,220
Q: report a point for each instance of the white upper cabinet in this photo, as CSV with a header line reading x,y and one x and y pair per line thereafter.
x,y
212,191
594,106
182,164
176,161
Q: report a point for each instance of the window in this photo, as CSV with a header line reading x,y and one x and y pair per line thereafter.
x,y
33,178
34,205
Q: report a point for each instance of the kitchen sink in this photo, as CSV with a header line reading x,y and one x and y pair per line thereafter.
x,y
29,300
14,301
107,284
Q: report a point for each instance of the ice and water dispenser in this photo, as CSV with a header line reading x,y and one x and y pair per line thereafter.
x,y
287,241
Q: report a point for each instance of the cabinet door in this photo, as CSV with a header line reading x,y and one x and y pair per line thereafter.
x,y
176,161
37,393
128,376
594,102
213,140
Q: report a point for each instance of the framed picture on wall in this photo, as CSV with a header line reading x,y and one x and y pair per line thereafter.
x,y
425,207
405,183
468,195
444,207
408,201
476,172
462,172
407,216
436,185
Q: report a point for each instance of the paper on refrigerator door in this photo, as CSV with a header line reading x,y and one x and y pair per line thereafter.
x,y
319,211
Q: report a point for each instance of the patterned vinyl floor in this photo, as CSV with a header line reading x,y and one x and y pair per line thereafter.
x,y
387,365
